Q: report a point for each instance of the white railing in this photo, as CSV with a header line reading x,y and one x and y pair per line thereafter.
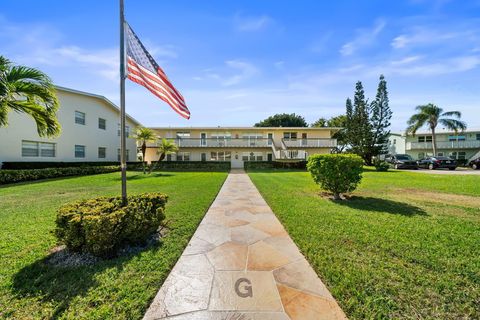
x,y
290,154
444,145
310,143
222,143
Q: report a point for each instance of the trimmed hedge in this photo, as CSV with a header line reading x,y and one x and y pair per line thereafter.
x,y
252,165
337,173
193,165
23,165
101,226
12,176
381,165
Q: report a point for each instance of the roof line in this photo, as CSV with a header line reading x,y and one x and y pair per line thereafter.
x,y
93,95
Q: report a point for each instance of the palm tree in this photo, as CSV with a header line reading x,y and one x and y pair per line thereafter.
x,y
144,135
165,147
431,115
30,91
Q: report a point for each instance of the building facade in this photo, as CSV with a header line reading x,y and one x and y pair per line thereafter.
x,y
396,143
90,132
240,144
461,146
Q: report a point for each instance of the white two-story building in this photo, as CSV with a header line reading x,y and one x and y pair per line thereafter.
x,y
90,132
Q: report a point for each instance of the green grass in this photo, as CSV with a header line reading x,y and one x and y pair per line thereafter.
x,y
120,288
405,246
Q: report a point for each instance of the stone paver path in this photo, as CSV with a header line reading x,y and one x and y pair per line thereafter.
x,y
242,265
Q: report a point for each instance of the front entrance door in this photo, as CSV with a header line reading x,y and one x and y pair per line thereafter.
x,y
270,138
237,162
304,139
269,157
203,139
204,157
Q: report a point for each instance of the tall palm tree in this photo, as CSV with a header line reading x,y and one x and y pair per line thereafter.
x,y
431,115
165,147
144,135
30,91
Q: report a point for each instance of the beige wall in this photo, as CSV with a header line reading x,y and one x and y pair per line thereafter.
x,y
22,127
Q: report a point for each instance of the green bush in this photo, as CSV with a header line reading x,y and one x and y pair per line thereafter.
x,y
11,176
381,165
193,165
337,173
23,165
259,165
101,226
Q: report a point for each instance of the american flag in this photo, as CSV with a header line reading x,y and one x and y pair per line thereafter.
x,y
142,69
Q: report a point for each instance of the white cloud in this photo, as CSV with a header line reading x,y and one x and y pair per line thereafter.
x,y
245,71
363,38
252,23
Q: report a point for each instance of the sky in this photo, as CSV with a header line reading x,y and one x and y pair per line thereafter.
x,y
238,62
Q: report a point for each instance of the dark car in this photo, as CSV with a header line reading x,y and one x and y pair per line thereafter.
x,y
437,163
475,164
402,161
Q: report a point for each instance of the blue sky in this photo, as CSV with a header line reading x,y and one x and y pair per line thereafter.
x,y
237,62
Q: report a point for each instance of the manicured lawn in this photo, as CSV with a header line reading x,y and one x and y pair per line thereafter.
x,y
121,288
406,246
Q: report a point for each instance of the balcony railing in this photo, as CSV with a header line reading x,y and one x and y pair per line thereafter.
x,y
290,155
444,145
310,143
223,143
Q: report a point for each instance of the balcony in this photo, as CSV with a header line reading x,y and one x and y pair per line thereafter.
x,y
473,144
310,143
223,143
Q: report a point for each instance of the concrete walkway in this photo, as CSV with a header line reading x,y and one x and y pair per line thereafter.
x,y
242,265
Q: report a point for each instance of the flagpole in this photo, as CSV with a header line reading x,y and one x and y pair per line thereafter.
x,y
123,162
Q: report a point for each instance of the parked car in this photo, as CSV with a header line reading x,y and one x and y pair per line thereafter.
x,y
402,161
475,164
437,163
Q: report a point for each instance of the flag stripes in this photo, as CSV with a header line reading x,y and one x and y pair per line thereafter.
x,y
143,69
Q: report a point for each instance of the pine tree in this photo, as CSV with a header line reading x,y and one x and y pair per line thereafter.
x,y
380,119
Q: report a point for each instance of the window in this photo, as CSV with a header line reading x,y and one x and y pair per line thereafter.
x,y
79,117
102,124
461,155
220,156
394,141
127,155
38,149
456,138
221,135
183,156
127,131
79,151
440,154
425,139
169,157
478,136
102,152
290,135
252,156
47,149
183,135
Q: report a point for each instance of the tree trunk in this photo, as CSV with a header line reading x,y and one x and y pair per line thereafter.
x,y
434,142
160,159
144,151
336,196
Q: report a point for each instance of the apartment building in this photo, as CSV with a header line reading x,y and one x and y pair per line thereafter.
x,y
240,144
461,146
90,132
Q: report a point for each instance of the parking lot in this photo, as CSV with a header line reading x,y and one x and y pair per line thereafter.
x,y
458,171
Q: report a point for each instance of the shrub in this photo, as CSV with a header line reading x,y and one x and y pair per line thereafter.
x,y
193,165
22,165
381,165
258,165
101,226
11,176
337,173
